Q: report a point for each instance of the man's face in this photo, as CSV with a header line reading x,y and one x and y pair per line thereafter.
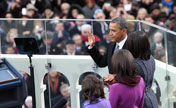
x,y
80,23
116,33
101,16
65,92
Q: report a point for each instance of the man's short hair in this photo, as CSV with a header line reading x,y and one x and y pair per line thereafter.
x,y
121,22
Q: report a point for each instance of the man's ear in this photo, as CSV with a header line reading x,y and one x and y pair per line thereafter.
x,y
124,30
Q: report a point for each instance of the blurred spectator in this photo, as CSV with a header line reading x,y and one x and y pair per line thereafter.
x,y
8,49
25,27
64,100
64,10
162,19
56,79
74,11
3,8
107,9
142,13
38,28
159,54
158,41
90,8
15,9
10,38
80,47
149,29
147,4
48,14
84,35
71,48
46,46
155,12
60,34
168,4
99,27
106,40
170,24
134,8
112,13
32,11
121,12
6,25
28,102
77,28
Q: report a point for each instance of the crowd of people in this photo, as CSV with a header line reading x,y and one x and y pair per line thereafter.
x,y
52,35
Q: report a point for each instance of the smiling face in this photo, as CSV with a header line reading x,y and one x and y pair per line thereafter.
x,y
116,33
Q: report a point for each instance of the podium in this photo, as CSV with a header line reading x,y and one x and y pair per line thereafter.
x,y
13,89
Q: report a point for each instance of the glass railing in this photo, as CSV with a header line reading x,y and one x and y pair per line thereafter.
x,y
63,37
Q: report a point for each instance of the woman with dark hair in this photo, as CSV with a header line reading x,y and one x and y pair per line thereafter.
x,y
93,93
128,89
138,44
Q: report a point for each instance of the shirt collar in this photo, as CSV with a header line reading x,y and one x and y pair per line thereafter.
x,y
122,42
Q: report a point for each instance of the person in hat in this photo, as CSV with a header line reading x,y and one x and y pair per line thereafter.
x,y
32,11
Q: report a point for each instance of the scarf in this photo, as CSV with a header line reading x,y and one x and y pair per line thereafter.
x,y
130,81
85,39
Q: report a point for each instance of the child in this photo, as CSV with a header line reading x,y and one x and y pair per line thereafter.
x,y
93,93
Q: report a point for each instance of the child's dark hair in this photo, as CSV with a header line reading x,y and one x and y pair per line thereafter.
x,y
92,88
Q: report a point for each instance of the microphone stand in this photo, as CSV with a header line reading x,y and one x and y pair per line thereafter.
x,y
33,83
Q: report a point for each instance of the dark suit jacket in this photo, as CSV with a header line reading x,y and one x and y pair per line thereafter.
x,y
103,61
97,30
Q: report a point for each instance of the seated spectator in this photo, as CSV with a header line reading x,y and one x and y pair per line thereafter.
x,y
128,83
90,8
93,93
99,27
6,25
32,11
60,34
56,79
142,13
10,38
64,100
74,11
71,48
8,49
158,41
155,12
48,14
77,28
106,40
25,27
84,34
28,102
64,10
80,47
46,45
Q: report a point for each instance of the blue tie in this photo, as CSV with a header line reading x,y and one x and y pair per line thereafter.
x,y
116,48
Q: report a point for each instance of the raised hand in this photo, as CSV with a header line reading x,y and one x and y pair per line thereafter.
x,y
91,39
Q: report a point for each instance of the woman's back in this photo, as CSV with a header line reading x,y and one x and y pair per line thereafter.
x,y
146,69
124,96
